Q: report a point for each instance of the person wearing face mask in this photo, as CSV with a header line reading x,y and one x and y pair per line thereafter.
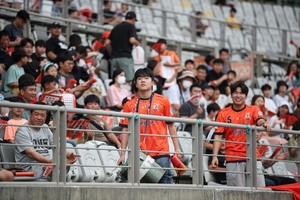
x,y
115,94
192,109
179,93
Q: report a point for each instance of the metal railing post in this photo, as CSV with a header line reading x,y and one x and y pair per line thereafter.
x,y
298,154
136,150
222,34
65,9
144,46
193,21
178,50
251,162
63,145
100,12
284,42
56,151
164,24
254,39
195,159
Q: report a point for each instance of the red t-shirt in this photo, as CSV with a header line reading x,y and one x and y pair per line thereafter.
x,y
248,116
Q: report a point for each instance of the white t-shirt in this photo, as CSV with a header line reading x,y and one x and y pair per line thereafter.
x,y
277,126
175,97
270,105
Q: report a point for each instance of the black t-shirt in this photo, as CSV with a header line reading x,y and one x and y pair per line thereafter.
x,y
212,76
220,177
35,57
119,37
5,59
32,68
159,84
56,46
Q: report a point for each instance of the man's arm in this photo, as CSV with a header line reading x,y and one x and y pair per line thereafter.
x,y
220,80
216,148
134,41
51,55
124,143
13,84
14,43
112,137
210,167
173,132
31,153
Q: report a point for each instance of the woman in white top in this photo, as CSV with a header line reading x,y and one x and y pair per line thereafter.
x,y
277,122
116,94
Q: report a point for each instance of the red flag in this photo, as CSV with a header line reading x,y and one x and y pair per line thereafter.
x,y
157,47
275,152
263,108
2,124
90,82
39,78
71,83
290,120
76,124
295,92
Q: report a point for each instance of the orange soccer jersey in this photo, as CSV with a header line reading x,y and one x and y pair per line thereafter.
x,y
249,115
160,106
168,53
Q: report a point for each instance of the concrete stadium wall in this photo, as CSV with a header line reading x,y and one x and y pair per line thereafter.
x,y
112,193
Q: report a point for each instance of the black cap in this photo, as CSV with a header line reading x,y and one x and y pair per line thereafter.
x,y
205,86
55,24
162,41
131,15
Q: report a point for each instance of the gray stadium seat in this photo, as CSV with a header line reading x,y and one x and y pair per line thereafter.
x,y
74,172
281,21
259,14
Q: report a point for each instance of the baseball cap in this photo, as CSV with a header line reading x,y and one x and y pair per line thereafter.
x,y
130,15
162,41
284,103
55,24
187,73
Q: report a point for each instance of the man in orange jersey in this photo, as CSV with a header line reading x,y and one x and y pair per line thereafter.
x,y
150,103
238,113
165,52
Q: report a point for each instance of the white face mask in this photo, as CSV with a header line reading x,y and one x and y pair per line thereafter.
x,y
121,80
187,84
154,88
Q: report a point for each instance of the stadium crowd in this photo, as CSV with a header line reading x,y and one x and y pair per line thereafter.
x,y
41,72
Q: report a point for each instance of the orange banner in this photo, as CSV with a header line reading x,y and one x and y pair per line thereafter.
x,y
199,60
242,69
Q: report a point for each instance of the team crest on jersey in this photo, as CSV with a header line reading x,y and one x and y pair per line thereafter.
x,y
155,107
247,116
260,113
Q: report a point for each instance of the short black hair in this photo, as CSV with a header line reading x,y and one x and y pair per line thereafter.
x,y
58,103
231,72
152,64
223,50
203,67
142,73
188,61
26,83
195,85
22,14
266,87
24,41
115,74
91,98
38,103
255,97
17,100
3,33
64,57
209,58
218,61
40,43
105,2
75,40
233,10
212,107
47,79
241,85
81,50
198,12
18,54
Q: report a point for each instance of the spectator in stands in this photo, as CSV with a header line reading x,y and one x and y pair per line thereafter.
x,y
215,96
220,177
192,109
92,102
15,29
207,92
36,136
201,75
293,144
50,69
216,77
109,16
175,62
122,13
269,103
153,104
259,101
54,46
278,122
99,44
17,4
16,120
189,65
85,15
297,112
4,4
179,93
79,69
293,76
209,60
297,48
73,12
238,113
231,79
32,66
281,95
6,175
49,86
40,49
115,93
224,56
159,81
200,27
122,38
232,22
57,8
221,3
212,111
5,59
14,72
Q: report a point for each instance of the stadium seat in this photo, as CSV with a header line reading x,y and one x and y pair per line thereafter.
x,y
157,13
90,157
75,172
186,147
46,8
270,16
281,21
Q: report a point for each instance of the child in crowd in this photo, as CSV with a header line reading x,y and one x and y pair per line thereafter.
x,y
92,102
281,95
50,68
189,65
231,79
14,72
49,85
212,111
207,91
40,49
16,120
160,81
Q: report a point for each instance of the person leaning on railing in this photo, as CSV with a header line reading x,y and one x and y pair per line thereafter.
x,y
238,113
